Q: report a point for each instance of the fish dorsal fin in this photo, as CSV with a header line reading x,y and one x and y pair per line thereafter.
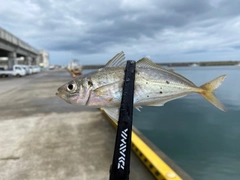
x,y
147,63
117,60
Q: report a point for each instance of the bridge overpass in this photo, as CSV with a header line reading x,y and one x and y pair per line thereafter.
x,y
13,48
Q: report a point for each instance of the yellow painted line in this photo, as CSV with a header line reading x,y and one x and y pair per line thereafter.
x,y
150,159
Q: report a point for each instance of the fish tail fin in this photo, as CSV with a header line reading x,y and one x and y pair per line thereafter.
x,y
207,91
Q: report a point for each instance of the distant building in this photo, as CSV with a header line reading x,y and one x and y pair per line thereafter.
x,y
43,59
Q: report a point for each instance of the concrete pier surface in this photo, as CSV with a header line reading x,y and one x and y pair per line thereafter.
x,y
44,138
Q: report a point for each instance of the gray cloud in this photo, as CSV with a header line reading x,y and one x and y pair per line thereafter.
x,y
158,28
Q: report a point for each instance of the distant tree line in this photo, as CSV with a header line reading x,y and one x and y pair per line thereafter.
x,y
210,63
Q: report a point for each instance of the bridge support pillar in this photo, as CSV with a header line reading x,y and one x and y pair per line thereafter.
x,y
28,60
34,62
12,59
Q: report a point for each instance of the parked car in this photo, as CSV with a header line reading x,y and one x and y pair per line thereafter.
x,y
26,68
35,69
16,71
51,67
30,69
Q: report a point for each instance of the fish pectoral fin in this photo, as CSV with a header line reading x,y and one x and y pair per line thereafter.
x,y
100,91
117,60
112,112
105,90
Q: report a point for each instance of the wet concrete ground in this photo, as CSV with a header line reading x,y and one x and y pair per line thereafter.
x,y
44,138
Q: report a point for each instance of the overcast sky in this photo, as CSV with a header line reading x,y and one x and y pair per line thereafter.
x,y
94,31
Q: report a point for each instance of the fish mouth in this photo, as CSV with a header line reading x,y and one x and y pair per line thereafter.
x,y
59,93
62,96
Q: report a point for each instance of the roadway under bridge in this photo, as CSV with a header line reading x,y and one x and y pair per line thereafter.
x,y
13,48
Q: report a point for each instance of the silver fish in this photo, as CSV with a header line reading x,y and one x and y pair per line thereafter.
x,y
154,86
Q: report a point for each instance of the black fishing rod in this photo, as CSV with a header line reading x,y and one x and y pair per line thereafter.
x,y
120,167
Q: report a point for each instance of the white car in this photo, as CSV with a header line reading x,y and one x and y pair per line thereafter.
x,y
27,69
30,69
35,69
16,71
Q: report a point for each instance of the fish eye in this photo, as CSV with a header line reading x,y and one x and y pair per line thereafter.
x,y
71,87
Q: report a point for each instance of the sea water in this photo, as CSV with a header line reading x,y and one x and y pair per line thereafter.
x,y
201,139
